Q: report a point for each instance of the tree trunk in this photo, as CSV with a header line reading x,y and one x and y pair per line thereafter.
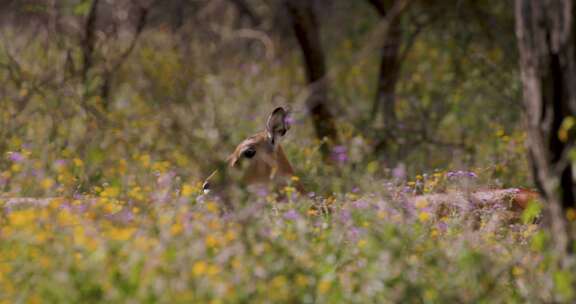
x,y
385,99
546,39
306,29
89,40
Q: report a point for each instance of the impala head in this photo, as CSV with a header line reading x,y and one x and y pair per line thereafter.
x,y
258,160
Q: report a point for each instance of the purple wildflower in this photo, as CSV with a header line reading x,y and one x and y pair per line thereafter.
x,y
339,154
60,163
289,120
442,226
345,216
360,204
399,172
262,191
291,215
354,233
165,180
16,157
460,174
339,149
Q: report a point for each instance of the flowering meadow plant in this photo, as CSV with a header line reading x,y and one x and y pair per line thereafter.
x,y
101,197
155,238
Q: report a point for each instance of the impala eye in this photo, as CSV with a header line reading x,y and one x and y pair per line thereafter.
x,y
249,153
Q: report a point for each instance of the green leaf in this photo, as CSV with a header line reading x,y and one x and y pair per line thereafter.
x,y
531,212
567,125
538,241
82,8
96,156
563,284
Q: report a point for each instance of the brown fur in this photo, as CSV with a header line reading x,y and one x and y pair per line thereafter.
x,y
269,166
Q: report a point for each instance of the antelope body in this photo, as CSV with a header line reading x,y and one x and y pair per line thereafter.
x,y
260,160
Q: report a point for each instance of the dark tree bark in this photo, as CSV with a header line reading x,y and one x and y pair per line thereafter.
x,y
546,32
390,64
89,40
306,28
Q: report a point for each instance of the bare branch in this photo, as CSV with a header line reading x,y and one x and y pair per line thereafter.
x,y
245,10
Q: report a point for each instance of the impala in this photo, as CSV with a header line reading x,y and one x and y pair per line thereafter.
x,y
258,161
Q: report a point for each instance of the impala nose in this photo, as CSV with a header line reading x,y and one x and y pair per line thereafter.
x,y
206,187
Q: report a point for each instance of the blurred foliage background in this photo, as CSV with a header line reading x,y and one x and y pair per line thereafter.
x,y
185,81
115,111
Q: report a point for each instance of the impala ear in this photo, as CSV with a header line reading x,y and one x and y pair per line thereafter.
x,y
277,125
232,160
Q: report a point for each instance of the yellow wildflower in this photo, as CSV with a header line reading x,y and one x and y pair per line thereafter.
x,y
279,286
136,193
78,162
212,207
199,268
145,160
187,190
212,270
6,174
22,217
121,234
176,229
302,280
423,216
421,203
211,241
517,271
161,166
230,235
111,206
110,192
15,143
324,286
16,167
67,218
214,225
